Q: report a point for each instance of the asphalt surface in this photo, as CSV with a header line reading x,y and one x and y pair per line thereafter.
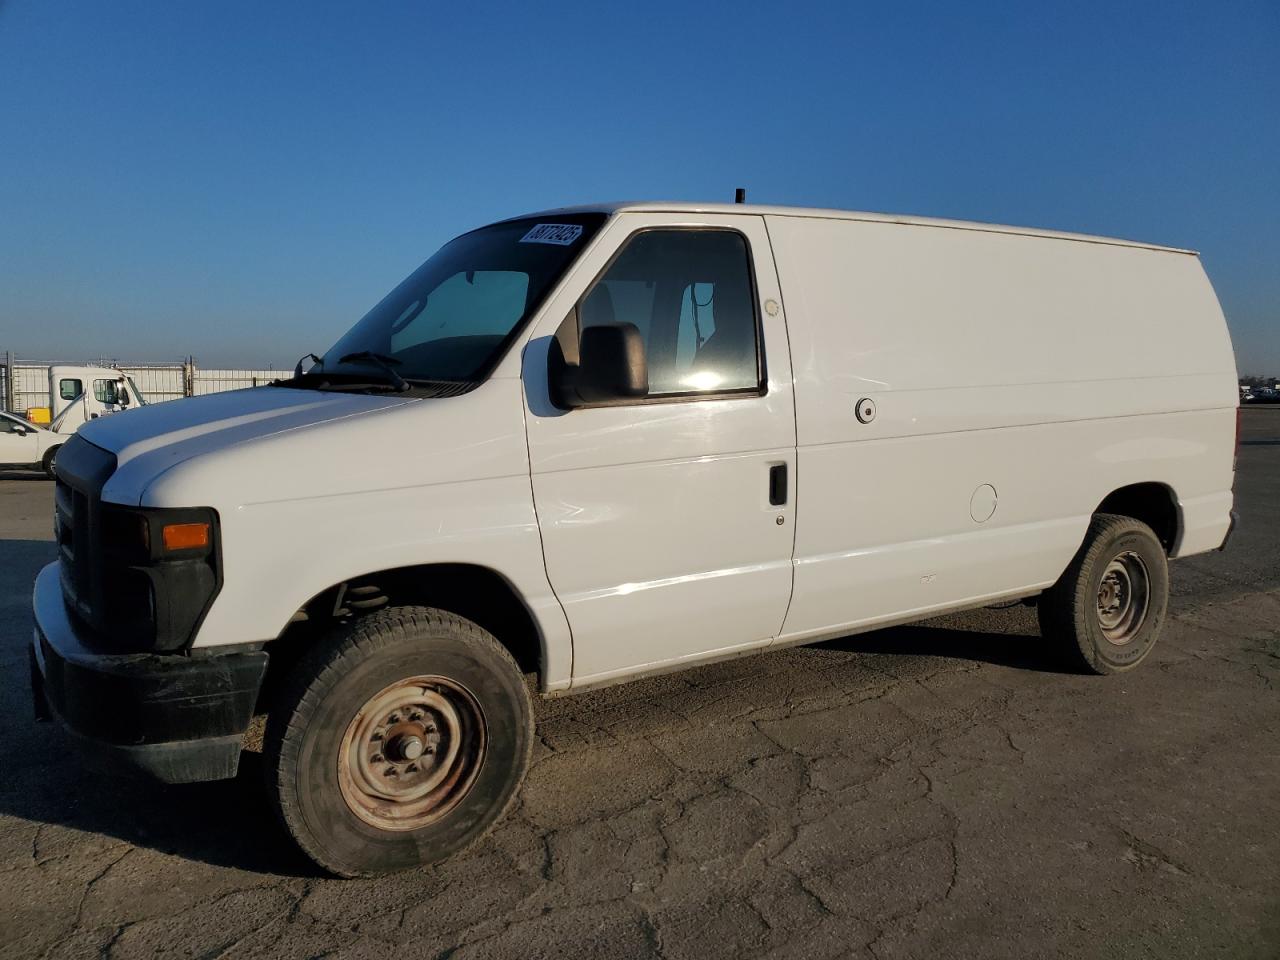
x,y
931,791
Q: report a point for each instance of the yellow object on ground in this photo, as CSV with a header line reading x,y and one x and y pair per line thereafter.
x,y
38,415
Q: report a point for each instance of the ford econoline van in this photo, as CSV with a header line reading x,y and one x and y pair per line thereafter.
x,y
593,444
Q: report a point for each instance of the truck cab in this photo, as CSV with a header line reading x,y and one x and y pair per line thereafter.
x,y
79,394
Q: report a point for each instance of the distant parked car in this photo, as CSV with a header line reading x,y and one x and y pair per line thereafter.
x,y
25,445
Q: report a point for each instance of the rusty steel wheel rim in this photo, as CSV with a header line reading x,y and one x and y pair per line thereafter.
x,y
1123,597
411,753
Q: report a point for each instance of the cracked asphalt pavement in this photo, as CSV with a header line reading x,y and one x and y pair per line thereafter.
x,y
931,791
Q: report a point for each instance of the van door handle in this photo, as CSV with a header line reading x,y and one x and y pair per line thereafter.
x,y
778,484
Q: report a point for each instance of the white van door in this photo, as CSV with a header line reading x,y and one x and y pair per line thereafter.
x,y
667,521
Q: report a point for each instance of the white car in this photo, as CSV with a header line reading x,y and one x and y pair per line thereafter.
x,y
25,445
594,444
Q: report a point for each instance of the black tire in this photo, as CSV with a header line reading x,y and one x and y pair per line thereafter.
x,y
330,694
1071,612
46,463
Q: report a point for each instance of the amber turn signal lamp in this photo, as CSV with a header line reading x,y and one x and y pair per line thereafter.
x,y
185,536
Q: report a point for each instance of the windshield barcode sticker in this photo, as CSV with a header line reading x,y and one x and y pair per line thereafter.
x,y
561,234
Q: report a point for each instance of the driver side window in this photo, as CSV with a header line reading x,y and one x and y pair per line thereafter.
x,y
689,293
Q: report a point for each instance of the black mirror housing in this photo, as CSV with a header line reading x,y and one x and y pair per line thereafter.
x,y
611,366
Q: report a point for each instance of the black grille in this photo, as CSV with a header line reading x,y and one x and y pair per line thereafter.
x,y
82,471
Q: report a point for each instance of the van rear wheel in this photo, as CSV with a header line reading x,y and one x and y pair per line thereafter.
x,y
1107,609
399,742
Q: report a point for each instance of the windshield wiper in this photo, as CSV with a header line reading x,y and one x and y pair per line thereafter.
x,y
382,361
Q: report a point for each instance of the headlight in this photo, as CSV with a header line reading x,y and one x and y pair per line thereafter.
x,y
162,569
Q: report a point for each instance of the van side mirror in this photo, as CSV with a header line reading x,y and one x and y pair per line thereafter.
x,y
611,366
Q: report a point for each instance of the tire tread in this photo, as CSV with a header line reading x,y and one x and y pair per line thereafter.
x,y
1060,607
314,676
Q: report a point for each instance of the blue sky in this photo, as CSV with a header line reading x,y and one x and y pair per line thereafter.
x,y
242,181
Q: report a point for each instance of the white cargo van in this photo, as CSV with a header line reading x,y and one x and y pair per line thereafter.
x,y
597,443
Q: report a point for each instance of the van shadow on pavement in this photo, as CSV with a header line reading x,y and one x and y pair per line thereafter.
x,y
1022,651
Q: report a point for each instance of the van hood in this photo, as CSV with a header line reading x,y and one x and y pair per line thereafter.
x,y
149,440
247,449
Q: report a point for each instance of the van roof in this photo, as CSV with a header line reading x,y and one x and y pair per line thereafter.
x,y
657,206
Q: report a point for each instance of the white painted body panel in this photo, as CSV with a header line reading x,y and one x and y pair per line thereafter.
x,y
313,489
657,530
1050,367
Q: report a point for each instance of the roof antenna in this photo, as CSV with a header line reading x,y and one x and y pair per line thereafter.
x,y
740,195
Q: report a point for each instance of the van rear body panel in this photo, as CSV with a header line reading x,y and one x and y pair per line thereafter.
x,y
1052,370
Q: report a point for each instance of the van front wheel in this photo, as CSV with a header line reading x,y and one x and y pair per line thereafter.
x,y
399,742
1107,609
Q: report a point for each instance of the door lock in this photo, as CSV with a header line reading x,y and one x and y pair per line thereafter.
x,y
865,410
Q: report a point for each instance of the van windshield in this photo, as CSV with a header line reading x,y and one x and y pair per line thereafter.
x,y
453,318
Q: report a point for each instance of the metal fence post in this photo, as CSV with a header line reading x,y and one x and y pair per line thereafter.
x,y
9,388
189,377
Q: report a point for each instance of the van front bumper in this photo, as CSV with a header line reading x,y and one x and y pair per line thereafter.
x,y
176,718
